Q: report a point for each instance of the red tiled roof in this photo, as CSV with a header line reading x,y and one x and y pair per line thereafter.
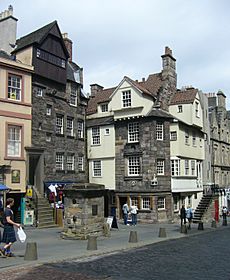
x,y
184,96
150,87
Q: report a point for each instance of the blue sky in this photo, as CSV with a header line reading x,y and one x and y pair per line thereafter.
x,y
112,39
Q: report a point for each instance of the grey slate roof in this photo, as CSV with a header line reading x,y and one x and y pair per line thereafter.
x,y
99,121
5,55
155,112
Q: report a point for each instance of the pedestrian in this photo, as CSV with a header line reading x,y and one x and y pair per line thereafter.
x,y
133,211
224,214
182,215
189,216
9,236
125,209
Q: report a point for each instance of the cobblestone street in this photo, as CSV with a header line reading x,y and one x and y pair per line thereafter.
x,y
202,257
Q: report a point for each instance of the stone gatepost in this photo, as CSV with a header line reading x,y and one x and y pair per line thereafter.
x,y
83,211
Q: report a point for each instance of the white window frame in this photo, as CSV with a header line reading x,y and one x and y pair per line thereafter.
x,y
173,135
48,110
160,167
39,92
133,132
134,167
180,109
126,98
73,97
175,167
59,124
96,139
193,167
134,200
70,162
186,167
146,203
159,131
104,107
69,126
97,168
80,163
186,137
14,141
107,131
80,129
59,161
160,203
14,87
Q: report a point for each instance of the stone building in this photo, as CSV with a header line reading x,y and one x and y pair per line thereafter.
x,y
129,144
58,146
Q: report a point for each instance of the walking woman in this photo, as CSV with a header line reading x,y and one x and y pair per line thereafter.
x,y
9,236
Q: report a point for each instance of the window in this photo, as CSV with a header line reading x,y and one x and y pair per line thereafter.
x,y
59,124
146,203
39,92
160,203
180,109
59,161
173,135
69,126
186,167
160,167
14,87
80,129
96,168
159,131
186,138
126,98
48,137
134,201
80,163
14,141
48,110
73,97
193,167
41,54
175,167
190,200
133,166
107,131
133,132
197,109
70,162
96,135
104,107
176,203
194,139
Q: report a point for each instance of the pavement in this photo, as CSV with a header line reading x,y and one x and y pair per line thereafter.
x,y
52,248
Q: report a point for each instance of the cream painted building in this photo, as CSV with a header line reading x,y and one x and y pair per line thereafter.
x,y
187,148
15,124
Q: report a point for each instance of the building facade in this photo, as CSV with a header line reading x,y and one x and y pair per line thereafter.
x,y
128,141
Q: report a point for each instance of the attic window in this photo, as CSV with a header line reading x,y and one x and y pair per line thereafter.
x,y
104,107
180,109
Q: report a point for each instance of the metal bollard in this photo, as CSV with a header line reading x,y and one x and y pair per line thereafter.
x,y
162,232
92,243
200,226
31,252
133,237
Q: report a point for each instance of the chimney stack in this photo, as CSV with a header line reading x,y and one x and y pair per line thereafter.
x,y
68,44
8,30
95,88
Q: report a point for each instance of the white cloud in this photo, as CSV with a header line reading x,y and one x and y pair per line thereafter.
x,y
127,37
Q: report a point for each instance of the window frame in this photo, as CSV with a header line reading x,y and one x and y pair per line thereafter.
x,y
161,203
160,167
97,168
134,166
70,162
159,131
80,129
146,203
11,87
69,126
175,167
59,124
17,143
126,99
59,162
96,136
133,132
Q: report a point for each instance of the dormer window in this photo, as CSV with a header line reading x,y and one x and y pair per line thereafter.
x,y
180,109
126,98
104,107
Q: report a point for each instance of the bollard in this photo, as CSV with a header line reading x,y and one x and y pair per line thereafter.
x,y
92,243
162,232
31,252
213,224
133,237
200,226
224,222
184,229
106,230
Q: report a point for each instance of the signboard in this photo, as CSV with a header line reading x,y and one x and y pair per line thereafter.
x,y
109,221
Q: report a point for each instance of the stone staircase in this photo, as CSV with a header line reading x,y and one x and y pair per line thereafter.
x,y
44,213
202,208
